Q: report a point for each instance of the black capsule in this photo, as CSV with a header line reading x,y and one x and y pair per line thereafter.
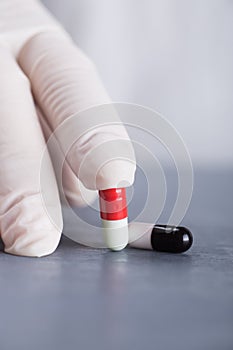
x,y
171,239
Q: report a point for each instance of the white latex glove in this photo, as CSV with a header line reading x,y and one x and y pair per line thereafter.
x,y
36,54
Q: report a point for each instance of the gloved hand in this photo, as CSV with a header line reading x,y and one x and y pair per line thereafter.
x,y
37,58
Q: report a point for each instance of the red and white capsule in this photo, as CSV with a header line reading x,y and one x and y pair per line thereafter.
x,y
114,216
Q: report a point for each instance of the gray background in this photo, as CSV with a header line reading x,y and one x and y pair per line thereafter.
x,y
174,56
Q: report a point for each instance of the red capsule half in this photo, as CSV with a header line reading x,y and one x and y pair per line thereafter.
x,y
113,204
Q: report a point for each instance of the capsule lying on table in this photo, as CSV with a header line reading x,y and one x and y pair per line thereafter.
x,y
162,238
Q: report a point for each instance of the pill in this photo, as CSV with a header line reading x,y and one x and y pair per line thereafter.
x,y
114,217
161,238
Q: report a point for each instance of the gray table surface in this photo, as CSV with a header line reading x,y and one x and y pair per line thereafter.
x,y
84,298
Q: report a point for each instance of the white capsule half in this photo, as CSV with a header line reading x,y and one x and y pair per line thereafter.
x,y
140,235
115,233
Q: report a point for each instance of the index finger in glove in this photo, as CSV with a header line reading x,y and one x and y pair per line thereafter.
x,y
65,84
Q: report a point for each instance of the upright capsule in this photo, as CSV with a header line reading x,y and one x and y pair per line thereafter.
x,y
114,217
161,238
